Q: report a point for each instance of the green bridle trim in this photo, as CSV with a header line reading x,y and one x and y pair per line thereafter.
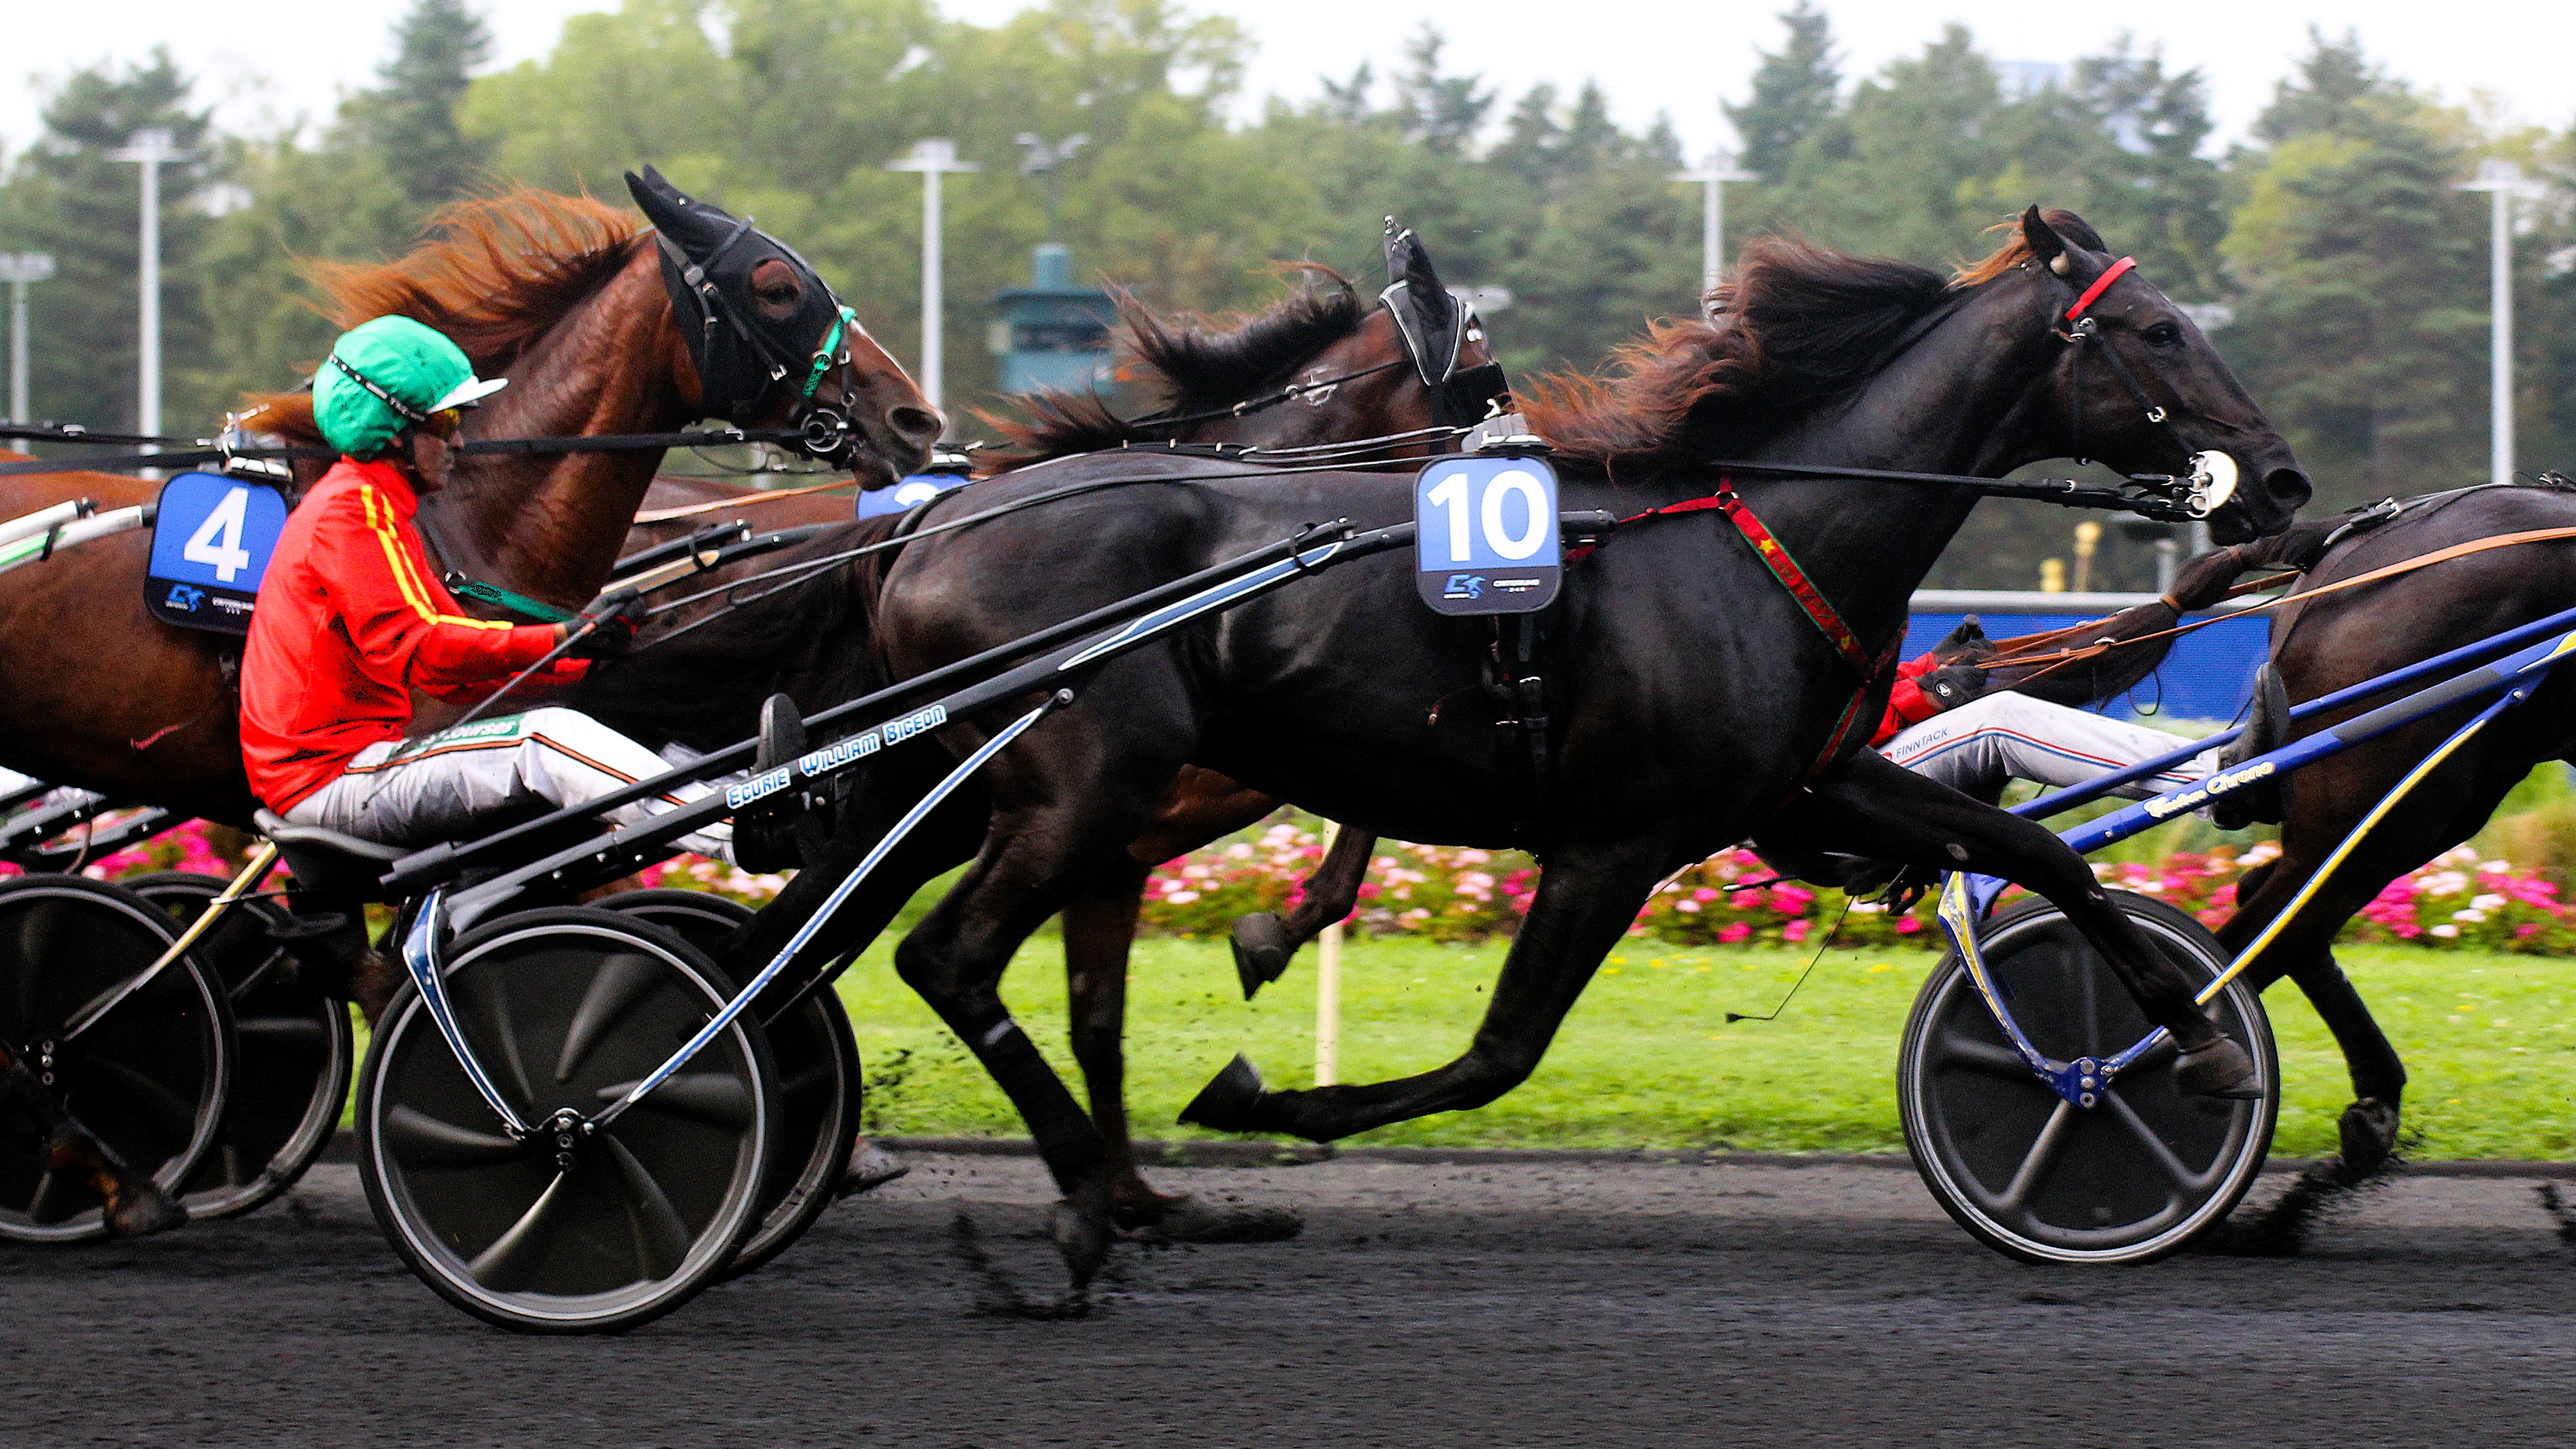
x,y
823,355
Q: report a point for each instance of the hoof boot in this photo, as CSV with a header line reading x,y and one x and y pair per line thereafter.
x,y
2219,1068
1262,948
1227,1103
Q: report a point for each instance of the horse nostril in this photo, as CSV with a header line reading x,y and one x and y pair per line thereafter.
x,y
2289,487
919,426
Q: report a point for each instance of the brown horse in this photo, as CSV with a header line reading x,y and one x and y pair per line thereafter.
x,y
562,295
1356,379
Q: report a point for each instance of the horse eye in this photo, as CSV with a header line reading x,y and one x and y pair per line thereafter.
x,y
2163,334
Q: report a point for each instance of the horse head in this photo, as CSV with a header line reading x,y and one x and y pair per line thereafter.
x,y
773,346
2140,387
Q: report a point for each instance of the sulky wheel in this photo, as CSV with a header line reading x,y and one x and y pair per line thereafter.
x,y
147,1078
818,1079
566,1009
294,1052
2039,1178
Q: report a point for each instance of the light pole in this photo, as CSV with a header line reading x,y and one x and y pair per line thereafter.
x,y
933,158
2501,180
149,149
1713,174
21,270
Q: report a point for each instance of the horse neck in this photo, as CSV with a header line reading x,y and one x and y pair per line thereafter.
x,y
1969,398
550,526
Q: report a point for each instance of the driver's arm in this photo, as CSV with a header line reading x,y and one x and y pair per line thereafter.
x,y
401,617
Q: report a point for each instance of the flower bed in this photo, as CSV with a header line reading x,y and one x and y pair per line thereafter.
x,y
1443,893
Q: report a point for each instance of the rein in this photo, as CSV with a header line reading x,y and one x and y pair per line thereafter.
x,y
692,510
2058,659
211,452
1266,401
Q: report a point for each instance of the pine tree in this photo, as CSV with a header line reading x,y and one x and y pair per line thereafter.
x,y
1794,92
411,116
2364,310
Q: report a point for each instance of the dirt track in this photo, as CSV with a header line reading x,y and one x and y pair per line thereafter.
x,y
1426,1305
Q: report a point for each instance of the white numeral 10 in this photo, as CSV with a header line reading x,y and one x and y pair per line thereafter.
x,y
1449,495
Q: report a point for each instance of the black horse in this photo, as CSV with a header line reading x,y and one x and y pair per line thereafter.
x,y
1692,700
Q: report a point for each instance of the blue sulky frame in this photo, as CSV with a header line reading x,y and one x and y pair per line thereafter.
x,y
1966,898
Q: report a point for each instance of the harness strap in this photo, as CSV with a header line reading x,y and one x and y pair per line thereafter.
x,y
2100,285
1775,556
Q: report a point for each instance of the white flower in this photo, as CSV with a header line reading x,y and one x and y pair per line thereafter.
x,y
1183,898
2472,916
2445,930
2488,902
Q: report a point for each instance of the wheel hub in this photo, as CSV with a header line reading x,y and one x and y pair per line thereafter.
x,y
566,1131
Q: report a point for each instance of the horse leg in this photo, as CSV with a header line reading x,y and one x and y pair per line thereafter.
x,y
1587,898
1099,927
1263,942
1868,805
2368,1127
135,1205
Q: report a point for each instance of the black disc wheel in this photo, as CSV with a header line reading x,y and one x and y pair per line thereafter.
x,y
147,1078
577,1231
818,1079
293,1058
2040,1178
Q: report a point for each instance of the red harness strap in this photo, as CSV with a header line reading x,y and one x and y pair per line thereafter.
x,y
2100,285
1868,699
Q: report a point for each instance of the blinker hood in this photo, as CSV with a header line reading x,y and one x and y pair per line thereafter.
x,y
708,256
1433,322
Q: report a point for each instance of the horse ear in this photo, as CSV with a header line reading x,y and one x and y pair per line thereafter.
x,y
2044,242
660,201
1421,278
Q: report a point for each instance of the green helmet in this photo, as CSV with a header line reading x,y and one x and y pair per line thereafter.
x,y
386,373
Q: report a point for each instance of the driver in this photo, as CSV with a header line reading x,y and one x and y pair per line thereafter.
x,y
352,621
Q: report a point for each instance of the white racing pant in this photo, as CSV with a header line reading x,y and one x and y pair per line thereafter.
x,y
1976,748
420,792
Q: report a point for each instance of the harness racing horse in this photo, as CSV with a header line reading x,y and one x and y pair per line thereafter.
x,y
564,296
2342,638
568,299
1319,369
1694,700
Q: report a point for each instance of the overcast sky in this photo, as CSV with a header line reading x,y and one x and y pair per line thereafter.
x,y
1675,56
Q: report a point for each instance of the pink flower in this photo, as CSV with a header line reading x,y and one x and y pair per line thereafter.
x,y
1733,931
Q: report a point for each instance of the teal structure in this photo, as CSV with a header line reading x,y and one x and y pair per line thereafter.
x,y
1053,334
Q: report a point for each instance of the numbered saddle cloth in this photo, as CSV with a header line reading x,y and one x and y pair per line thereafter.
x,y
211,542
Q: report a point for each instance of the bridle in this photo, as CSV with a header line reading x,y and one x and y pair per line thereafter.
x,y
823,432
1458,399
2081,330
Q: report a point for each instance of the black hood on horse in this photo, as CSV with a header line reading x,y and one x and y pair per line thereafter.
x,y
747,335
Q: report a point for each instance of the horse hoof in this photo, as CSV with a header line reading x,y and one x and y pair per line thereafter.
x,y
2219,1068
1082,1234
1226,1103
2368,1129
1188,1220
871,1169
144,1211
1262,948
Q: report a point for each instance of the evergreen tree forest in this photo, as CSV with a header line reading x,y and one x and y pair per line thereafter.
x,y
2351,272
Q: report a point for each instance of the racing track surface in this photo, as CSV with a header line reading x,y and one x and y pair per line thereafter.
x,y
1586,1304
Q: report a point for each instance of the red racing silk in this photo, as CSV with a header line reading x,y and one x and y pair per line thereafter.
x,y
351,620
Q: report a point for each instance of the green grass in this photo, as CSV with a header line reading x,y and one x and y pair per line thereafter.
x,y
1647,1059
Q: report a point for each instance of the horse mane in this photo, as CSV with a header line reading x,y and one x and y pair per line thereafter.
x,y
702,686
493,273
1794,327
1198,365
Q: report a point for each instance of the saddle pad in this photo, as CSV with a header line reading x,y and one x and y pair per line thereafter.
x,y
210,547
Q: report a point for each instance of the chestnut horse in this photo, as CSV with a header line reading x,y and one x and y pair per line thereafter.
x,y
562,295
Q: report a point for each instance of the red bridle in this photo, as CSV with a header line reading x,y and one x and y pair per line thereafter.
x,y
2100,285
